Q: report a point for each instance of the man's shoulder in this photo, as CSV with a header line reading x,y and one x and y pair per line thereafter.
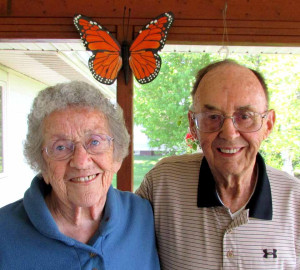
x,y
171,174
185,166
281,176
182,159
284,186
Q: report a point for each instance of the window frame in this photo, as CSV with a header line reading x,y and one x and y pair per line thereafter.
x,y
3,88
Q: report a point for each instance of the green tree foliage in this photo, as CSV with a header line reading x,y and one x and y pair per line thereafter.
x,y
283,77
282,74
161,106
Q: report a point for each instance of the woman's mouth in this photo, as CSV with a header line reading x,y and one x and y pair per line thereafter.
x,y
84,179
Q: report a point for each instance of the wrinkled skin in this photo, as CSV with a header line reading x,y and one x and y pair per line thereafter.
x,y
231,154
77,206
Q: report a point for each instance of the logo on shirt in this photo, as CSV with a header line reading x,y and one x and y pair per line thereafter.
x,y
268,254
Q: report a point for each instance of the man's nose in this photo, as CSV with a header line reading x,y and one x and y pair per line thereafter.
x,y
228,130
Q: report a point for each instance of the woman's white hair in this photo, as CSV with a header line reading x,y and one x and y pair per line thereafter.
x,y
60,96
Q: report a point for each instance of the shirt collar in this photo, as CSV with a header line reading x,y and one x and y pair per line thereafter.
x,y
260,204
43,221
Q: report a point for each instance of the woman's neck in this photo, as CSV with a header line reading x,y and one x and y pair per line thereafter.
x,y
77,222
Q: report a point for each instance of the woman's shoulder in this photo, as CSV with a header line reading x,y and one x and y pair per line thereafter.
x,y
127,197
12,208
12,215
132,201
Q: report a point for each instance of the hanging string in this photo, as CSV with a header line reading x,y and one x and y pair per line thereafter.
x,y
224,49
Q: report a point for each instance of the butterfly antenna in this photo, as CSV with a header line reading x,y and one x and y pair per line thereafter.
x,y
129,10
124,22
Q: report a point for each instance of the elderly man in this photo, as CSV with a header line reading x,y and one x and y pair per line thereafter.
x,y
225,209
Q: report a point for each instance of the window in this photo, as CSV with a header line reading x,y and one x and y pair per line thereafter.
x,y
2,131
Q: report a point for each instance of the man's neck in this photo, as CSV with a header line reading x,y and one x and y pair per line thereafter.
x,y
236,190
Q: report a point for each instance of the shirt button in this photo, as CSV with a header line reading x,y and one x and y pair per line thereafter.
x,y
92,254
230,254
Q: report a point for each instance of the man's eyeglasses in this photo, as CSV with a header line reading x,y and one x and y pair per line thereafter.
x,y
93,143
244,121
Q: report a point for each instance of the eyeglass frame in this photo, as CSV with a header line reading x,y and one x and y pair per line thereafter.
x,y
108,138
263,115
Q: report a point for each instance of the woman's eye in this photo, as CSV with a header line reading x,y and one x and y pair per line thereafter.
x,y
95,143
60,147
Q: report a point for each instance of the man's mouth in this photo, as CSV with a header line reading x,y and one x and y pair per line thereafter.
x,y
229,150
84,179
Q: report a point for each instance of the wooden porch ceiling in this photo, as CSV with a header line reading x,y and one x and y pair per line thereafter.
x,y
197,22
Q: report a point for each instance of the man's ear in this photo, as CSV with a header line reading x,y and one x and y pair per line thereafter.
x,y
193,129
270,121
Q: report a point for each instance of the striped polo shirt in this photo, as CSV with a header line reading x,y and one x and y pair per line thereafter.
x,y
195,231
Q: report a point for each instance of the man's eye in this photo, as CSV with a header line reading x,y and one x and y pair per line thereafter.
x,y
245,116
213,116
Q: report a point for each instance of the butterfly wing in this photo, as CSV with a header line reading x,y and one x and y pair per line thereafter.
x,y
106,60
144,60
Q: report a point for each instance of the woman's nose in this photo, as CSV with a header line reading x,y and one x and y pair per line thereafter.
x,y
80,158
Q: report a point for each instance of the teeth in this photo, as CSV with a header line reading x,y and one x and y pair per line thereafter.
x,y
84,179
229,151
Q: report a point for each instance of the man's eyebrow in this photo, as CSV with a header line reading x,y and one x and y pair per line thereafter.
x,y
210,107
245,108
241,108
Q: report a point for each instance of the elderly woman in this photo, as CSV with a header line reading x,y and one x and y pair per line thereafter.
x,y
71,217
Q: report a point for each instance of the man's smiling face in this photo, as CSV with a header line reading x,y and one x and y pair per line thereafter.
x,y
227,89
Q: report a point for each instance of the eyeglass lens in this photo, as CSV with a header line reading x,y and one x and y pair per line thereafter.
x,y
243,121
94,144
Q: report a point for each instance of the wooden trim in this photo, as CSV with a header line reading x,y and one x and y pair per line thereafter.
x,y
255,22
125,100
182,32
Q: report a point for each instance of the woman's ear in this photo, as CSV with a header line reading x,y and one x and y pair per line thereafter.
x,y
116,166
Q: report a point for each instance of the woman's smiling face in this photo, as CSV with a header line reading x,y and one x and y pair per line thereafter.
x,y
83,179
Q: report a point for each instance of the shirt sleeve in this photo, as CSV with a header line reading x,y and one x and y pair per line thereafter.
x,y
145,190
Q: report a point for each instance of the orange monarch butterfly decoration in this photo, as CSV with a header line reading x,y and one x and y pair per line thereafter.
x,y
109,57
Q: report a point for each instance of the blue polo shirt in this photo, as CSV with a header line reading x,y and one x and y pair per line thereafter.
x,y
30,239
